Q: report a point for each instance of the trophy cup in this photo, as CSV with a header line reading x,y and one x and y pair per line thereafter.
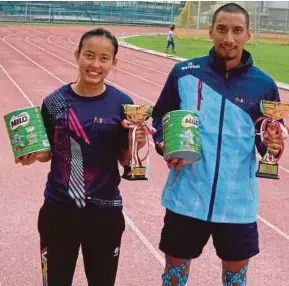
x,y
136,115
272,111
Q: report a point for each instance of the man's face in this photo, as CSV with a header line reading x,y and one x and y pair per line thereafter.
x,y
229,33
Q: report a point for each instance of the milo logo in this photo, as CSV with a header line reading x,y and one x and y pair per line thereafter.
x,y
190,121
19,120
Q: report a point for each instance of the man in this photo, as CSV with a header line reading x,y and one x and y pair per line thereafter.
x,y
217,195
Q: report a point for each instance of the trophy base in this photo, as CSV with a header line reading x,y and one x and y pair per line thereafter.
x,y
135,174
267,171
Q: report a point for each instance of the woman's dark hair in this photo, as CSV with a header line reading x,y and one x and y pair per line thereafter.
x,y
99,32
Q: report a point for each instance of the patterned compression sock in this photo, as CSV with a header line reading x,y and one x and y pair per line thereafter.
x,y
177,272
239,278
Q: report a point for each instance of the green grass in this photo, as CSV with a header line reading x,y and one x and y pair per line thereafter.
x,y
270,57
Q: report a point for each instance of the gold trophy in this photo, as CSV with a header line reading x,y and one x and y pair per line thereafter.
x,y
272,111
137,115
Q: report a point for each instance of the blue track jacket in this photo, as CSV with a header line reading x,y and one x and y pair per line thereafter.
x,y
222,186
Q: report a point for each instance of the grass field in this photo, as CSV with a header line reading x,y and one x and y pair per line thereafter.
x,y
270,57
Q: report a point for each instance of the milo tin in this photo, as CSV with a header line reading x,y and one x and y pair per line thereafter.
x,y
181,135
26,131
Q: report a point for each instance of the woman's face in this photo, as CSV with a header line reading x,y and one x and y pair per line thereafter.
x,y
95,59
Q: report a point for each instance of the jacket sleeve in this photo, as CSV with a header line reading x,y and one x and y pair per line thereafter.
x,y
272,95
168,100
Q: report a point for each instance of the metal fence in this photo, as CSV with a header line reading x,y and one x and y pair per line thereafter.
x,y
265,16
121,12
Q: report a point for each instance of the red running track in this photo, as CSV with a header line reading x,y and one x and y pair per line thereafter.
x,y
35,61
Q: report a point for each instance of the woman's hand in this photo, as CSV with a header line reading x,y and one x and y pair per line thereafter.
x,y
29,159
140,137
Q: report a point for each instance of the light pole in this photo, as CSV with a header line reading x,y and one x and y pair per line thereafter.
x,y
198,19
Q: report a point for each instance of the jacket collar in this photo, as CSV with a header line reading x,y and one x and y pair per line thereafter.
x,y
218,65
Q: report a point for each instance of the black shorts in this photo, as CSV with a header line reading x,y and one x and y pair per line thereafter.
x,y
185,237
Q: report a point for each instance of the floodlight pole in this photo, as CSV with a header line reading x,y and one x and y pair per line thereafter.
x,y
259,17
172,12
188,19
26,11
49,20
255,21
198,21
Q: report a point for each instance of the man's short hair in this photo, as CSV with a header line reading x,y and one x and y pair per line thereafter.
x,y
231,8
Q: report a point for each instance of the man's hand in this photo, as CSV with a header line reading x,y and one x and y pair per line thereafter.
x,y
273,142
175,163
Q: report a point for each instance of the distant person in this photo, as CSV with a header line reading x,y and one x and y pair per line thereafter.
x,y
170,39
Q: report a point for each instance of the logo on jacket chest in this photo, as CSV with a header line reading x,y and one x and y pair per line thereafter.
x,y
190,66
249,102
251,106
100,120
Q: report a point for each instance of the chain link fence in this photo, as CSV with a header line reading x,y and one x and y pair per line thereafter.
x,y
119,12
265,17
191,17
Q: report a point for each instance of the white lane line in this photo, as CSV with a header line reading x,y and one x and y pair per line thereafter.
x,y
119,58
63,48
282,168
275,228
74,65
56,77
116,68
72,42
130,222
145,241
16,85
25,56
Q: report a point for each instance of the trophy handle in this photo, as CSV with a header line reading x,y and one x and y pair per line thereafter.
x,y
273,127
268,167
136,156
136,170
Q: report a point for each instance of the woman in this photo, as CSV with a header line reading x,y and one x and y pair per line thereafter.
x,y
83,206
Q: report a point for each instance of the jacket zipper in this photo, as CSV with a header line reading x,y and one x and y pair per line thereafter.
x,y
200,96
216,175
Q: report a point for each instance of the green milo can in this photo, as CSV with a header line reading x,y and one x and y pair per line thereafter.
x,y
181,135
26,131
